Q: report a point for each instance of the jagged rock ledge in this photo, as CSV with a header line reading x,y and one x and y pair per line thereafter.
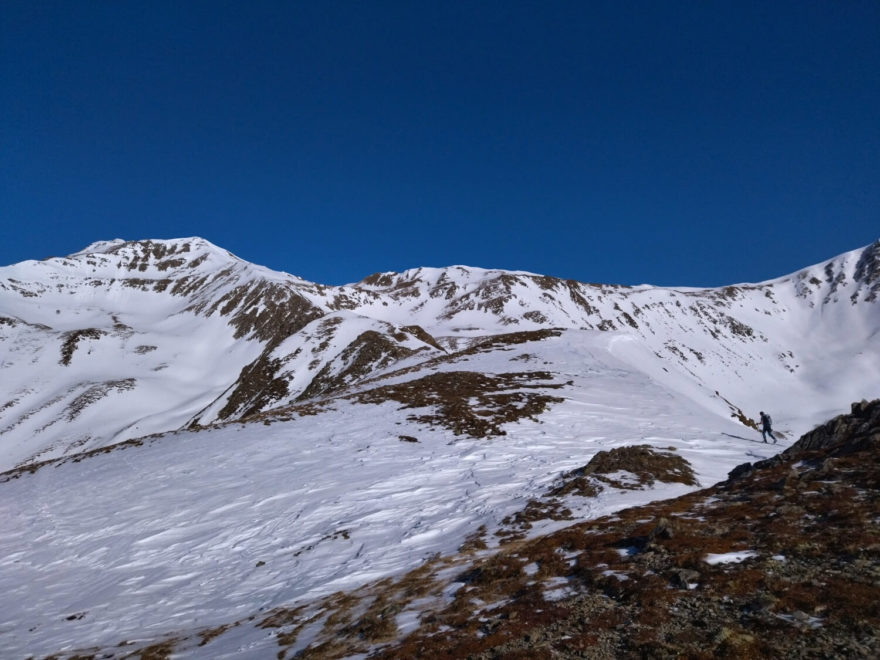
x,y
845,434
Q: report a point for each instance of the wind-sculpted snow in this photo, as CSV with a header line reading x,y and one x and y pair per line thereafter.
x,y
197,529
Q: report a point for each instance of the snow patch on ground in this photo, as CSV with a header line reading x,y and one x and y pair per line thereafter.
x,y
729,557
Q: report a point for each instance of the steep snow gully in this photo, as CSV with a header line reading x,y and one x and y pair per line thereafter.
x,y
191,442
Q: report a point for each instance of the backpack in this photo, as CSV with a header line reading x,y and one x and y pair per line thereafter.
x,y
768,420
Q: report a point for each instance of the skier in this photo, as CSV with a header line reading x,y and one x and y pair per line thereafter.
x,y
766,424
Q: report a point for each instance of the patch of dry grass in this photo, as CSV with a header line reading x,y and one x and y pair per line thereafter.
x,y
470,403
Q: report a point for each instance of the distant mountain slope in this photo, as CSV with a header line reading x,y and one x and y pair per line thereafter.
x,y
125,339
812,333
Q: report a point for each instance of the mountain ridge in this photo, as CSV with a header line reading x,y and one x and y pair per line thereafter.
x,y
267,339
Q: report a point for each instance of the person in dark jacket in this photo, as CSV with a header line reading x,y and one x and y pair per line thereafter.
x,y
766,424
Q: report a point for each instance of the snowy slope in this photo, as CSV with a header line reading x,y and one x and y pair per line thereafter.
x,y
381,423
125,339
811,335
197,529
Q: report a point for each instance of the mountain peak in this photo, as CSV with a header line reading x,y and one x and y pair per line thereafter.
x,y
100,247
164,253
867,270
854,275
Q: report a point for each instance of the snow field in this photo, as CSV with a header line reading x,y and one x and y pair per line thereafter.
x,y
194,530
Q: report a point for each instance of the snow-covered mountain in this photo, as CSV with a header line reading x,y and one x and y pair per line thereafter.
x,y
126,339
194,444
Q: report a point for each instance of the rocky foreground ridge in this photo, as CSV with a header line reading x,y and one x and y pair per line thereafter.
x,y
780,560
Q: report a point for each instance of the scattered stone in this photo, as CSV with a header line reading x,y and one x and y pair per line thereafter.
x,y
663,530
683,577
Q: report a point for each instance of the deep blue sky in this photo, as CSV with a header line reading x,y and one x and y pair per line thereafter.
x,y
672,143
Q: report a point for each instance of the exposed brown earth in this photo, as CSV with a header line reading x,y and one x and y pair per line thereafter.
x,y
257,387
645,465
642,465
95,393
71,339
419,333
369,352
470,403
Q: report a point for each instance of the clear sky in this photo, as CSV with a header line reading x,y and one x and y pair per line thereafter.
x,y
670,143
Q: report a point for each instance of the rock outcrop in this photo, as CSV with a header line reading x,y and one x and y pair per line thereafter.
x,y
845,434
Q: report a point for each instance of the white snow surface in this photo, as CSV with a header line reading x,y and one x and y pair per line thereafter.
x,y
197,528
729,557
